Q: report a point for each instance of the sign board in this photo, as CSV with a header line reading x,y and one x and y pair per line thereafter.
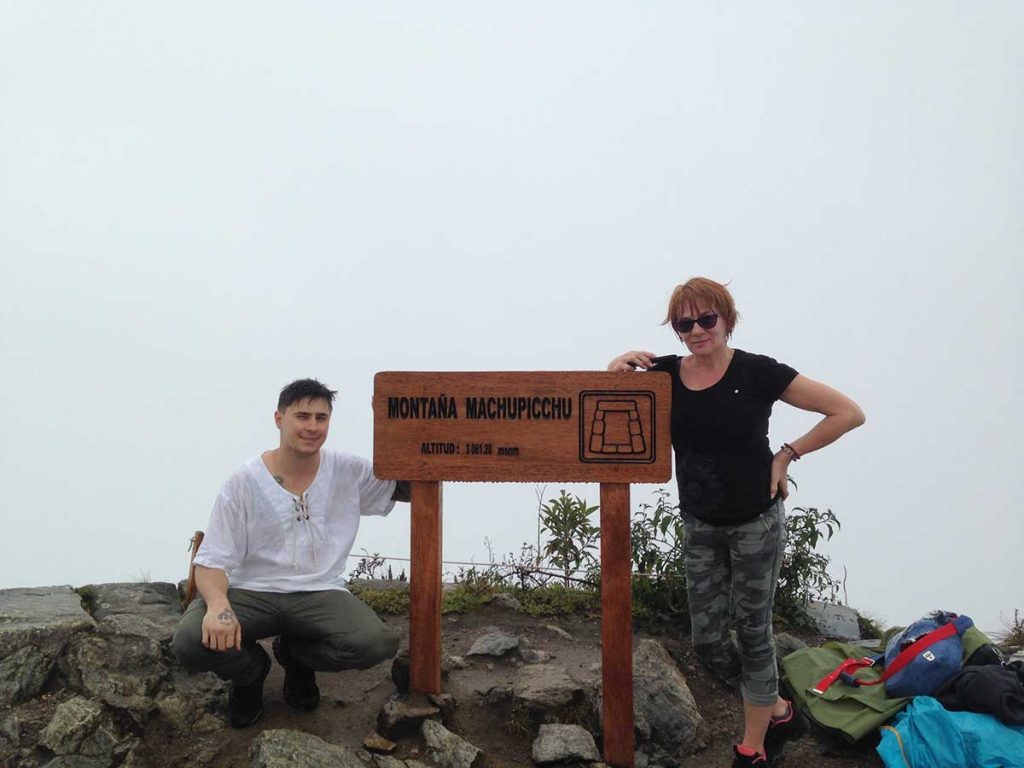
x,y
522,426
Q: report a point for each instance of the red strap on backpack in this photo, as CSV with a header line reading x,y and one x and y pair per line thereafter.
x,y
903,658
847,668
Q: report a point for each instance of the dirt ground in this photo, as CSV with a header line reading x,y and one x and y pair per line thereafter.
x,y
351,701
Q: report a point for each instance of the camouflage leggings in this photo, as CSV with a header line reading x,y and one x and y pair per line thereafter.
x,y
734,569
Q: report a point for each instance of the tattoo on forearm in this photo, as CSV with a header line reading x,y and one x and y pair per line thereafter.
x,y
280,480
227,616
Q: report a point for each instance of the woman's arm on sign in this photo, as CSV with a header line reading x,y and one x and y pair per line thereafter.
x,y
630,361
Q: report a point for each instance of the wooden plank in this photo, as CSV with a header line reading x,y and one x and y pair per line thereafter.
x,y
190,587
616,626
425,589
523,426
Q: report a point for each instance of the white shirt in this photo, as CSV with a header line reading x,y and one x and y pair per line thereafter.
x,y
270,540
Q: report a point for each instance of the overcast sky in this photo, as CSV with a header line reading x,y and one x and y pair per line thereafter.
x,y
200,203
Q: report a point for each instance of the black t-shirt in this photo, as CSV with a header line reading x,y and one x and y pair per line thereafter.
x,y
720,438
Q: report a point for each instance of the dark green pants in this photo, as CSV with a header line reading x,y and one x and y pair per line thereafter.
x,y
732,570
330,630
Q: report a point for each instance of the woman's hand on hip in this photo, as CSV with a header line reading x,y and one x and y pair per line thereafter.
x,y
630,361
780,475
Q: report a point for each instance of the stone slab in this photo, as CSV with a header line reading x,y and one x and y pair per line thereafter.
x,y
834,620
44,618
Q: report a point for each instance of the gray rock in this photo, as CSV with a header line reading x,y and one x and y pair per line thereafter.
x,y
494,643
666,713
185,714
445,702
385,761
77,761
531,656
124,671
507,601
373,742
202,692
557,743
785,644
22,675
403,714
43,618
157,601
400,668
11,728
83,727
833,620
558,631
448,750
544,686
295,749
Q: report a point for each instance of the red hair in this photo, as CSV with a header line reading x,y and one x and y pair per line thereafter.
x,y
698,294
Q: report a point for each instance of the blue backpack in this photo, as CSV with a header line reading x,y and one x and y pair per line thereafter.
x,y
917,660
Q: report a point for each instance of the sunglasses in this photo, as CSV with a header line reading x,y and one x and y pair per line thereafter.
x,y
706,322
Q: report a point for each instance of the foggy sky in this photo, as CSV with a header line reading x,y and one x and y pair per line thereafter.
x,y
201,203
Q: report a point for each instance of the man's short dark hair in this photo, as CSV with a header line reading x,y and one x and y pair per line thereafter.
x,y
305,389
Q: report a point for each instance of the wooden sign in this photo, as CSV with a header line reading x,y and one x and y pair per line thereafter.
x,y
522,426
610,428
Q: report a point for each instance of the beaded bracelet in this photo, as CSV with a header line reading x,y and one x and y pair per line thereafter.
x,y
791,451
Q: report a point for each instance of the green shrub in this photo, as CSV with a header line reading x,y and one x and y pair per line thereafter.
x,y
659,575
392,602
659,583
1013,634
559,600
804,573
465,597
571,536
869,626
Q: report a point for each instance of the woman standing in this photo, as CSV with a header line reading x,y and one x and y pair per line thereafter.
x,y
731,489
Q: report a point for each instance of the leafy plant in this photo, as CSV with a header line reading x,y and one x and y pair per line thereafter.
x,y
868,625
1013,636
369,566
659,584
804,573
522,571
484,580
558,600
572,537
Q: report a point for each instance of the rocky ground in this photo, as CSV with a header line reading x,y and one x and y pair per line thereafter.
x,y
96,689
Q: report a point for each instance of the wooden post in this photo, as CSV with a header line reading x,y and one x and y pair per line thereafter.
x,y
190,587
616,626
425,589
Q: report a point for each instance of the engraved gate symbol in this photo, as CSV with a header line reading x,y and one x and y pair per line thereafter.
x,y
617,426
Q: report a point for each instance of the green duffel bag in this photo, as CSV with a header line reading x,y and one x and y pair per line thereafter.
x,y
853,712
846,711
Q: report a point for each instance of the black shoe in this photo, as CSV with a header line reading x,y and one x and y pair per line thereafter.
x,y
757,760
300,688
245,702
791,725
